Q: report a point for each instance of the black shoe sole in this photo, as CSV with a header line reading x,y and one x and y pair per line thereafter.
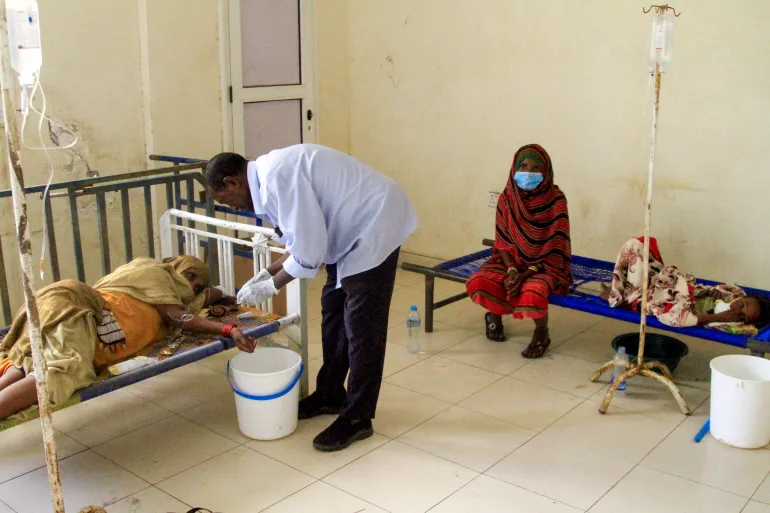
x,y
324,410
359,435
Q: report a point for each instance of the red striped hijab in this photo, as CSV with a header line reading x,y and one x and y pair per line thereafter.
x,y
533,226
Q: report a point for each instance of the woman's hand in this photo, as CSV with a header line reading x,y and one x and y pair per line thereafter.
x,y
243,342
513,284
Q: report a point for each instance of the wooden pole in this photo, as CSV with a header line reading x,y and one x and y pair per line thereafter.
x,y
647,217
10,116
640,368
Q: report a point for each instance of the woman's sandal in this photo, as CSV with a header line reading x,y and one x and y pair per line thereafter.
x,y
539,345
494,330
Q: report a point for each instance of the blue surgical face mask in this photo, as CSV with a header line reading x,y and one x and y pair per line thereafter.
x,y
527,181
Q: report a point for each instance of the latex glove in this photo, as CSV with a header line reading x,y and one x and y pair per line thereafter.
x,y
247,287
257,293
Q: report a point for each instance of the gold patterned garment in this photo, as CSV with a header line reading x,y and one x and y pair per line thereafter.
x,y
70,312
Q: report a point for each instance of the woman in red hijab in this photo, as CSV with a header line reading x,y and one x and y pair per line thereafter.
x,y
532,253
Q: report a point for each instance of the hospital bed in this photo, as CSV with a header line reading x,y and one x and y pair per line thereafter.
x,y
191,226
587,274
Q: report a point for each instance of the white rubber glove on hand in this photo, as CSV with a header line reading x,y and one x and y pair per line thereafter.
x,y
257,293
247,287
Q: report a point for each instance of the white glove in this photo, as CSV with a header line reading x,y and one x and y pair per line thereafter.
x,y
262,276
257,293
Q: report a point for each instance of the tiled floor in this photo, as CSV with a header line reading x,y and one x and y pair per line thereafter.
x,y
469,426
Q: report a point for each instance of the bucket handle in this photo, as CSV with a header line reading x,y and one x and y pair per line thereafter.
x,y
265,397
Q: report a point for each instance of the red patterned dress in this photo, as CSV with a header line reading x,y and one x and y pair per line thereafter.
x,y
533,227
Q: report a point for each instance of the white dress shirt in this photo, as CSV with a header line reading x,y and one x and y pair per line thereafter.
x,y
331,209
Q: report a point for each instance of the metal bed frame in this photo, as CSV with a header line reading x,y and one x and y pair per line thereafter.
x,y
205,242
584,271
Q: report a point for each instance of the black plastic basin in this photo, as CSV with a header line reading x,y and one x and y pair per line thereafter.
x,y
657,348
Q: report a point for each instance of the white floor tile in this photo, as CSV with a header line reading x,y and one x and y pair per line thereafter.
x,y
218,415
21,449
499,357
444,379
618,433
653,399
467,438
238,481
401,479
4,508
399,410
87,480
322,498
592,345
644,490
405,297
561,372
710,462
564,472
218,362
182,388
312,373
397,359
756,507
463,314
524,404
164,449
150,500
443,337
106,417
296,450
487,495
763,493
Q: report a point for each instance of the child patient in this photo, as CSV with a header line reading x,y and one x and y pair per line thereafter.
x,y
675,299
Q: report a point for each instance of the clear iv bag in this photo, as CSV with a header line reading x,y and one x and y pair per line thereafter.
x,y
660,41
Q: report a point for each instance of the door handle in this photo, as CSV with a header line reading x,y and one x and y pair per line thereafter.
x,y
309,115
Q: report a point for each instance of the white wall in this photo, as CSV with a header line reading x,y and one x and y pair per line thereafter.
x,y
443,92
92,73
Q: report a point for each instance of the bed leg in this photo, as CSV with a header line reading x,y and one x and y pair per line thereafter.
x,y
430,288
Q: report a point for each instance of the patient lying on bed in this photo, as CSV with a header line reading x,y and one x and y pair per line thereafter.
x,y
86,328
675,299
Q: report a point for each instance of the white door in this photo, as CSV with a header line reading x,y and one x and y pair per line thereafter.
x,y
271,74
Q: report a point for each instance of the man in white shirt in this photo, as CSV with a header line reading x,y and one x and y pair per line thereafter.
x,y
329,209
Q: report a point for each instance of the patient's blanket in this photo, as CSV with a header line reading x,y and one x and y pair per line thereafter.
x,y
674,298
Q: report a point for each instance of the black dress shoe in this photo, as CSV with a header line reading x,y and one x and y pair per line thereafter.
x,y
315,405
342,433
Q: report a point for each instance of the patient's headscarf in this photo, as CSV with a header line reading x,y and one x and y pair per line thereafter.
x,y
190,263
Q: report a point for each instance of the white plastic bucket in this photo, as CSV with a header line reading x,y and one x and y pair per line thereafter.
x,y
740,401
266,386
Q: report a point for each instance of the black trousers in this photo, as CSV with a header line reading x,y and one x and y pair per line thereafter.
x,y
354,329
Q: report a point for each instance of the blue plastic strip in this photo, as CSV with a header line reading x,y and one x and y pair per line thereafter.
x,y
703,432
265,397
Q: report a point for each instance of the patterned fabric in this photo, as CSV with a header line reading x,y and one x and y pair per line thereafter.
x,y
110,335
673,296
533,227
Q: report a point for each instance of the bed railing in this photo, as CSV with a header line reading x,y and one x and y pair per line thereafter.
x,y
179,181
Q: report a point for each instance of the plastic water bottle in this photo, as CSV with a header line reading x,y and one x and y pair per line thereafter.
x,y
621,365
414,331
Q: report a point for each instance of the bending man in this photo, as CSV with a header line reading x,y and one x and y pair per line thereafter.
x,y
330,209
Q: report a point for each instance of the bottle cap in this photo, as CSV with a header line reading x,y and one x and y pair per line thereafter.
x,y
414,308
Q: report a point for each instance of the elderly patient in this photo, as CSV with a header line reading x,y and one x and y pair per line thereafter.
x,y
676,300
86,328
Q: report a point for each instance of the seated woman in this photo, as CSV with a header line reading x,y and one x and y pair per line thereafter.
x,y
85,328
532,252
675,299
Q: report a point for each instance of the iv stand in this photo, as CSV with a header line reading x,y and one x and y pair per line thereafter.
x,y
10,117
642,368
